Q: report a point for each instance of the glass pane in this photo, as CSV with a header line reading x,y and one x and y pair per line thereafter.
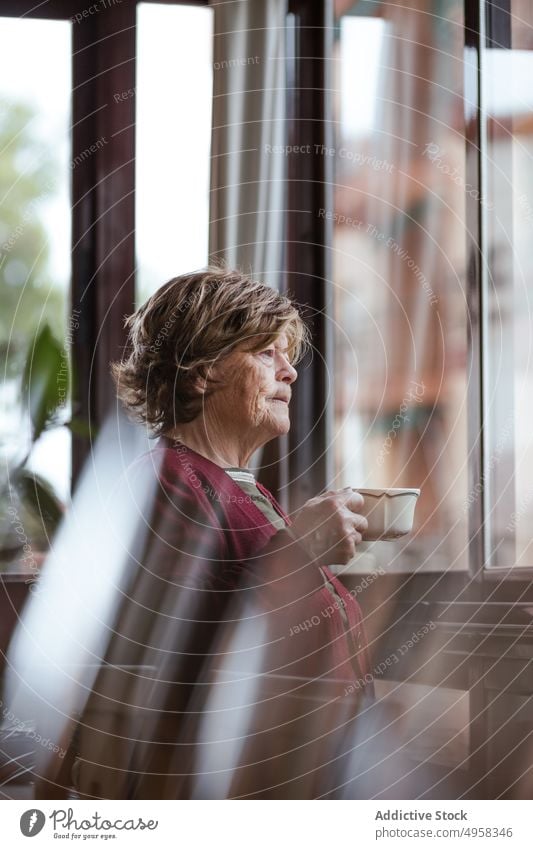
x,y
35,168
399,272
173,140
508,98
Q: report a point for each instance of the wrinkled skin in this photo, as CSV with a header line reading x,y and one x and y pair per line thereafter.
x,y
252,407
246,412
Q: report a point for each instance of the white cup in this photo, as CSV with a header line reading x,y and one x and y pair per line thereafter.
x,y
389,512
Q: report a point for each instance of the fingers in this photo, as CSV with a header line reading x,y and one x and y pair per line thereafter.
x,y
349,511
332,524
357,529
354,501
348,497
360,523
357,538
354,527
340,545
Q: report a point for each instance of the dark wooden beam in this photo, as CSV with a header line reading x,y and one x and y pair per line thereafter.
x,y
103,226
308,277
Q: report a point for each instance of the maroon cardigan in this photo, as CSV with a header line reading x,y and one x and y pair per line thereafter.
x,y
202,516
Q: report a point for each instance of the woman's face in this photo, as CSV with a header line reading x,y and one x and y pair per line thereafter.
x,y
254,401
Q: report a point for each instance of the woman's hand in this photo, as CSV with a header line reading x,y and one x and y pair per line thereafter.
x,y
329,527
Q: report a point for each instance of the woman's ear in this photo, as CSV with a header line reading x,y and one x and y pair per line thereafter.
x,y
200,384
211,375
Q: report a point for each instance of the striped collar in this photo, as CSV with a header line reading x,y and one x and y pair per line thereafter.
x,y
243,475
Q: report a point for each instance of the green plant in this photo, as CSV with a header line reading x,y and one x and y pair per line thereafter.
x,y
45,384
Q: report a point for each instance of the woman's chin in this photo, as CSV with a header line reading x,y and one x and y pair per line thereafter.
x,y
276,421
282,425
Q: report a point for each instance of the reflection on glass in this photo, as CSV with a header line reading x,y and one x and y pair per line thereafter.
x,y
508,101
173,139
399,272
35,168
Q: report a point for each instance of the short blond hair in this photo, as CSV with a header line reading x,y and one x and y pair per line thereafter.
x,y
184,328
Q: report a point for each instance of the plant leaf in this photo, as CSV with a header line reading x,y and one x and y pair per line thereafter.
x,y
45,381
37,493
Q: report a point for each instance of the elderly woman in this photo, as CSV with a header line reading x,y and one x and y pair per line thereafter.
x,y
211,370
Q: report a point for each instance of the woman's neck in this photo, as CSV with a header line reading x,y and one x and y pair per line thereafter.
x,y
225,452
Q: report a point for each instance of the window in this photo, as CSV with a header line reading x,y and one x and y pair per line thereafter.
x,y
35,266
508,270
399,268
173,140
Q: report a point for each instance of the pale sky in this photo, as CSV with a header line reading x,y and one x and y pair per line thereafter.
x,y
361,56
174,91
26,46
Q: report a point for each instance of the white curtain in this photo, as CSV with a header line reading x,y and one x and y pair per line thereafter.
x,y
248,155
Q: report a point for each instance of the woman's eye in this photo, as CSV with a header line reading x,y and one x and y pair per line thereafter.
x,y
268,353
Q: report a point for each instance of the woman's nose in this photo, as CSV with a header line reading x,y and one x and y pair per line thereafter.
x,y
287,372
